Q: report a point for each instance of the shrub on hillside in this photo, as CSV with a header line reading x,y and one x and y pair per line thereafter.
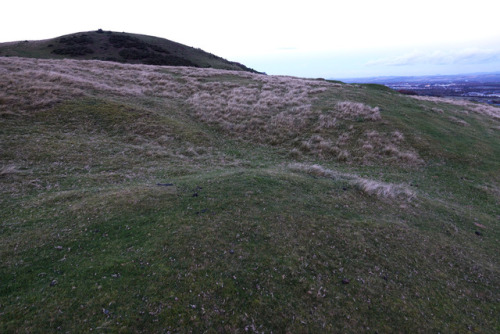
x,y
152,58
75,45
124,41
73,50
133,54
76,40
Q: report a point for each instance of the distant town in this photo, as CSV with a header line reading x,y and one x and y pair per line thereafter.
x,y
475,87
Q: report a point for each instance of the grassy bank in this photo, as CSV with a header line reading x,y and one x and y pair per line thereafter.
x,y
154,199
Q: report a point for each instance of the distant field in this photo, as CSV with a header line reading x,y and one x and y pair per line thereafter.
x,y
483,88
142,198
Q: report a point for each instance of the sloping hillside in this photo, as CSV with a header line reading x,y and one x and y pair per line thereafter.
x,y
118,47
154,199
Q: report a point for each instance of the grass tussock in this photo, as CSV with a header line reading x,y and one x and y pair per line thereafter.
x,y
458,121
466,106
8,170
370,187
357,111
384,190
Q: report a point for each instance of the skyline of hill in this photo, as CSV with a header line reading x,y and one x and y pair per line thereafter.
x,y
119,47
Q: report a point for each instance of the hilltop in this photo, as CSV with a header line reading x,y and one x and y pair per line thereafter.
x,y
143,198
119,47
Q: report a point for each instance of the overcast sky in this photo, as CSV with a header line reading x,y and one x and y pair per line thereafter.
x,y
329,39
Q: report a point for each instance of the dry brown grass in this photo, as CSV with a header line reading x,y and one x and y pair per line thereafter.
x,y
370,187
356,110
8,170
458,121
276,110
267,109
377,146
467,106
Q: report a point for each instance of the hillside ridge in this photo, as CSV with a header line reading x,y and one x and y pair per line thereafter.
x,y
119,47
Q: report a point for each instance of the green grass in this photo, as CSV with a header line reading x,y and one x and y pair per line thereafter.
x,y
244,240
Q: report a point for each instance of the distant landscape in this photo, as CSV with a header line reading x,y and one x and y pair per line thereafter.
x,y
482,87
168,190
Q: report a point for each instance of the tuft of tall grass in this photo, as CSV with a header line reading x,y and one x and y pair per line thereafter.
x,y
357,111
370,187
8,170
467,106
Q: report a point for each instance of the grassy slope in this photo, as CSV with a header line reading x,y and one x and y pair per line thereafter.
x,y
280,196
98,45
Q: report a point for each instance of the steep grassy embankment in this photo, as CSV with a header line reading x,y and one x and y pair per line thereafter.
x,y
148,199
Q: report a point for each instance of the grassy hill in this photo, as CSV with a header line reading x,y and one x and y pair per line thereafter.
x,y
118,47
142,198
